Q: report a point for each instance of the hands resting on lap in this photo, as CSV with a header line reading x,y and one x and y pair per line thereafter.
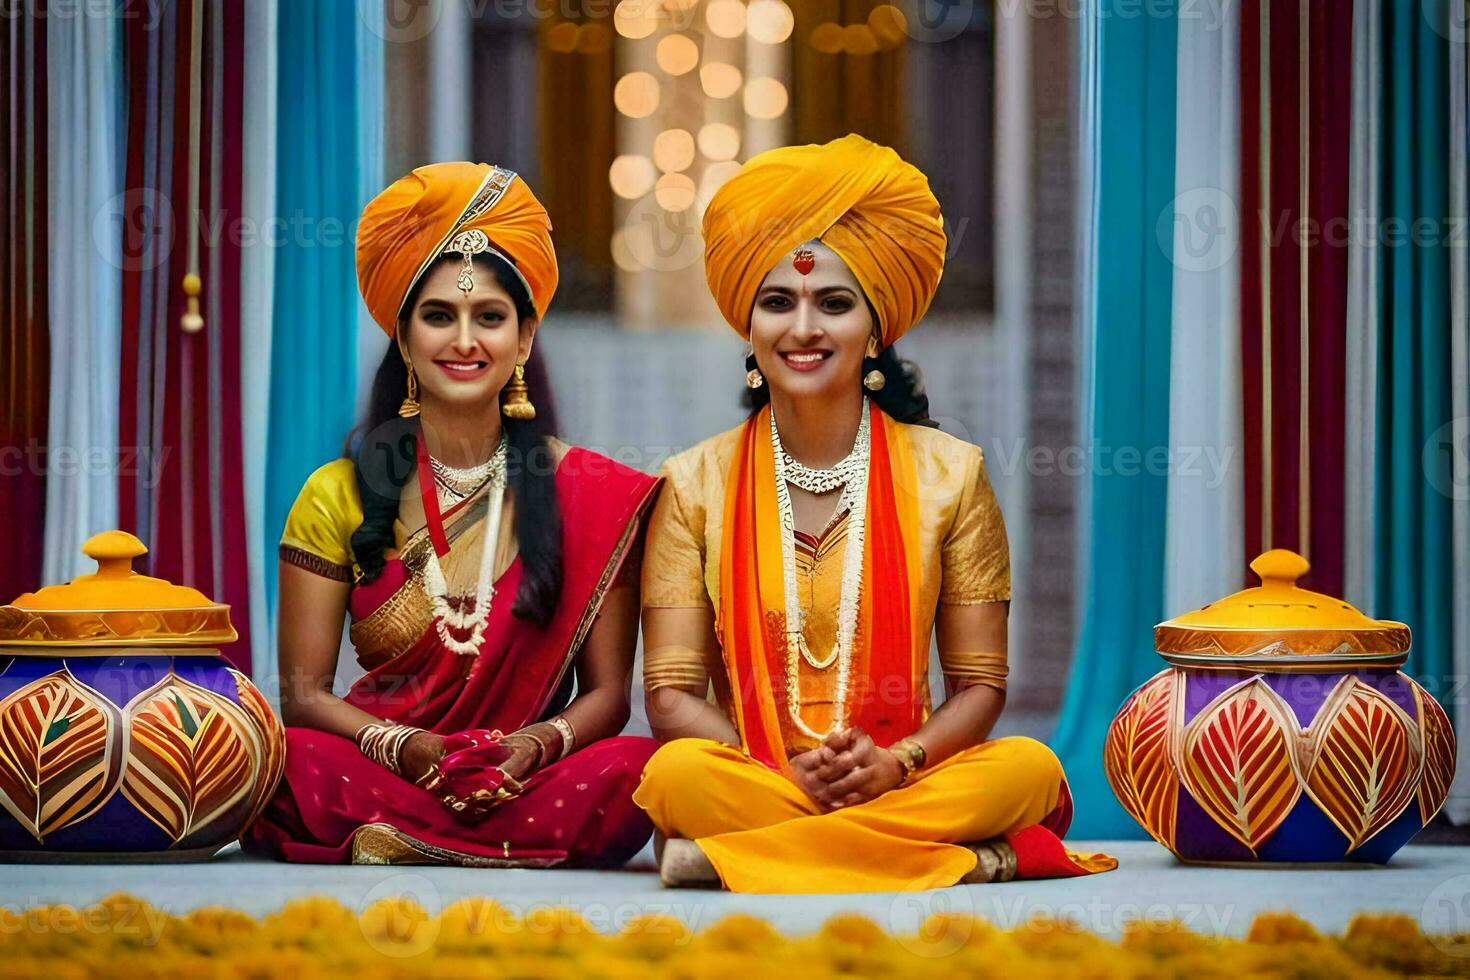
x,y
848,768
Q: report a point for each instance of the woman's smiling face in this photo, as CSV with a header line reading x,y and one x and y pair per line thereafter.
x,y
811,325
464,346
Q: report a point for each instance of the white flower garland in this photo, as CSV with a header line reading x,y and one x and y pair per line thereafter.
x,y
852,475
446,615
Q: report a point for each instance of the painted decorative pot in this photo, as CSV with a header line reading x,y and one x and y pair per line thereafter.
x,y
1282,731
124,735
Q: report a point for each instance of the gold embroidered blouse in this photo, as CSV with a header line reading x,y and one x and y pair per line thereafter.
x,y
963,549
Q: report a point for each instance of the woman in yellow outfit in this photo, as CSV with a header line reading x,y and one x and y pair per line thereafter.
x,y
803,561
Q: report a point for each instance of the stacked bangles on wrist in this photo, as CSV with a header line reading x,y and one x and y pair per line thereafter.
x,y
383,743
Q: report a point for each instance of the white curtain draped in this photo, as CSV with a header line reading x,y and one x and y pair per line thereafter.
x,y
257,275
1204,547
85,132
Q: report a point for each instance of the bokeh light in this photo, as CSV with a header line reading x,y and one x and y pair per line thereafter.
x,y
725,18
673,150
636,94
674,192
720,81
635,19
769,21
719,141
765,98
826,38
677,54
631,176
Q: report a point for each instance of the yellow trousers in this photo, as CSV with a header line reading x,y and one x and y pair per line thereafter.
x,y
763,834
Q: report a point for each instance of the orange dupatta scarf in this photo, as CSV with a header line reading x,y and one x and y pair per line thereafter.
x,y
887,695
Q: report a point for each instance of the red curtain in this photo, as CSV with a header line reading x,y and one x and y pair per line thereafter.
x,y
24,345
181,391
1294,157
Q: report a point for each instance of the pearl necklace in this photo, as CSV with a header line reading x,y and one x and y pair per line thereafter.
x,y
447,614
852,475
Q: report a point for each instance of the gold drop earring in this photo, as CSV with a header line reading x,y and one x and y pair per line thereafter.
x,y
753,377
873,380
517,404
410,407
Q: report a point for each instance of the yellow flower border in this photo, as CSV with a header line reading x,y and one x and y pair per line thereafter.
x,y
395,937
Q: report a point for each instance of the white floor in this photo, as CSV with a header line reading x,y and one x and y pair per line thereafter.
x,y
1429,883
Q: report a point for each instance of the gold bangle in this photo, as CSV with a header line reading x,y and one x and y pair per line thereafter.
x,y
568,735
910,754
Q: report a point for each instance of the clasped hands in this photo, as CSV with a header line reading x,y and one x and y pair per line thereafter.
x,y
848,768
472,771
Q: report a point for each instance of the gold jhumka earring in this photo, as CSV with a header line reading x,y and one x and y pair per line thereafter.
x,y
873,380
517,404
410,406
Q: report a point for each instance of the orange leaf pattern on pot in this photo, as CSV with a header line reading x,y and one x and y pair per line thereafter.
x,y
60,753
1438,737
1237,761
194,755
1140,752
272,742
1363,757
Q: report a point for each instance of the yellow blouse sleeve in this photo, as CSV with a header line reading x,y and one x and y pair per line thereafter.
x,y
673,555
976,558
319,529
673,578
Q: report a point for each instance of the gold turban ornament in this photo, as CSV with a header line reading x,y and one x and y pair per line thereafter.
x,y
858,198
458,209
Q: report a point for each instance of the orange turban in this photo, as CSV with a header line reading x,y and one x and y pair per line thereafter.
x,y
405,228
858,198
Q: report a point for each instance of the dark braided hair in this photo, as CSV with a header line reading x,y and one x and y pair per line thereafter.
x,y
383,450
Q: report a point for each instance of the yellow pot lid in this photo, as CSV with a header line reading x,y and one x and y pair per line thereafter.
x,y
1280,622
115,606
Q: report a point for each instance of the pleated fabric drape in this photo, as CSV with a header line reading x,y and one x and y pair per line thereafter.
x,y
1204,547
86,215
180,397
25,363
1132,282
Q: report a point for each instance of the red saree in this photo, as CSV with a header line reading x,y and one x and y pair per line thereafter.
x,y
335,806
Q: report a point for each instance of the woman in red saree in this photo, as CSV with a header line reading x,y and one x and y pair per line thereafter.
x,y
490,573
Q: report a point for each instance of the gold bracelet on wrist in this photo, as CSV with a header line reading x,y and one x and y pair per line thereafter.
x,y
568,735
910,754
383,743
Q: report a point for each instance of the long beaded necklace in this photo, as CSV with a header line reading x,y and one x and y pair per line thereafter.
x,y
454,615
852,475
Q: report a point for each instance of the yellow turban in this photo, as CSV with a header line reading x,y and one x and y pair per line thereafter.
x,y
405,228
858,198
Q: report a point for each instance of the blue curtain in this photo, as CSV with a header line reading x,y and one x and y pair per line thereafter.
x,y
1129,340
319,195
1415,541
